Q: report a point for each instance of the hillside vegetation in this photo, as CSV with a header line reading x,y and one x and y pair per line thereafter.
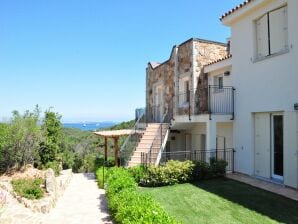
x,y
30,138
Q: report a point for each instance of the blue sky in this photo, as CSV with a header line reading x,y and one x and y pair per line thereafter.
x,y
87,58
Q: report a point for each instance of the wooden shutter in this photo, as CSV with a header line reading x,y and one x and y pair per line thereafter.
x,y
262,37
278,30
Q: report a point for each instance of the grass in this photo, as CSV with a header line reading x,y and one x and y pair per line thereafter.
x,y
224,201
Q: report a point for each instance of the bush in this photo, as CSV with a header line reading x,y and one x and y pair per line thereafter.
x,y
28,188
218,167
138,172
99,162
127,205
203,170
55,166
173,172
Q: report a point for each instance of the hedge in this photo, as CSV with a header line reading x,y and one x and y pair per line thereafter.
x,y
129,206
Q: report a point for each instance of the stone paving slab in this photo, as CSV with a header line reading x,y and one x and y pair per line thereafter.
x,y
266,185
82,202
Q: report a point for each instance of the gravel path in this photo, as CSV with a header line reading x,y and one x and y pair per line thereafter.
x,y
82,202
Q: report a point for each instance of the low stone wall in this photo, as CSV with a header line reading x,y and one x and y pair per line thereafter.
x,y
55,187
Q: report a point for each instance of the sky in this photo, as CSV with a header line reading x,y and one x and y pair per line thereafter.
x,y
87,58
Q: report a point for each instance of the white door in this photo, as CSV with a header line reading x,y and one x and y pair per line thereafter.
x,y
277,146
262,145
187,146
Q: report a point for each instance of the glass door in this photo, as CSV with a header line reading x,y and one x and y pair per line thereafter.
x,y
277,146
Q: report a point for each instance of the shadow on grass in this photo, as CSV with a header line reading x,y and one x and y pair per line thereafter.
x,y
276,207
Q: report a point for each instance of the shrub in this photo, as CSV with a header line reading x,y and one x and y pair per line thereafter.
x,y
55,166
127,205
119,179
29,188
173,172
138,172
203,170
99,162
218,167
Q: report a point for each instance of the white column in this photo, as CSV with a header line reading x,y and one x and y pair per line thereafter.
x,y
211,138
211,135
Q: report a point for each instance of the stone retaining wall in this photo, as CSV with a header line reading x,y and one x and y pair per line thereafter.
x,y
55,187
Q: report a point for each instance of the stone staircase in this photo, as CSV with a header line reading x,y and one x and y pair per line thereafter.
x,y
153,136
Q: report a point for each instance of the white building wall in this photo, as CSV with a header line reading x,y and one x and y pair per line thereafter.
x,y
268,85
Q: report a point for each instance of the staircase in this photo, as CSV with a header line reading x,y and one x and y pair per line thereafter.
x,y
151,143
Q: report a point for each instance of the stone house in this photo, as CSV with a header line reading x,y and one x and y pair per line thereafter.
x,y
169,85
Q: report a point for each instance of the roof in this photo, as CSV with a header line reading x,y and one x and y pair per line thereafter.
x,y
219,60
157,64
114,133
236,9
154,64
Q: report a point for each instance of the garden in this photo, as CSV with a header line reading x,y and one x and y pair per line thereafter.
x,y
188,192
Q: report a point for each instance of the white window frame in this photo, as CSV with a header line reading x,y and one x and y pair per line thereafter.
x,y
267,50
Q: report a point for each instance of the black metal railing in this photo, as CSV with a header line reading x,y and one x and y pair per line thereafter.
x,y
221,100
211,100
151,156
227,155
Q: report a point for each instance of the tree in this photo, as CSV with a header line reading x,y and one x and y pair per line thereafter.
x,y
52,132
20,140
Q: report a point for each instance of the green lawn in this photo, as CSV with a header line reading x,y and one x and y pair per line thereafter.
x,y
224,201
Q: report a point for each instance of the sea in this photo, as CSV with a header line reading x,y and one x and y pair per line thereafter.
x,y
89,126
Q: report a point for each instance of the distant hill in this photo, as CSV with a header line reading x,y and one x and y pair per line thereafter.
x,y
122,125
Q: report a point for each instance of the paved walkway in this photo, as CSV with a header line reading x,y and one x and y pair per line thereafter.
x,y
82,202
265,185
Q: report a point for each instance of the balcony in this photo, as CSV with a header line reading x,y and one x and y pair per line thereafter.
x,y
213,100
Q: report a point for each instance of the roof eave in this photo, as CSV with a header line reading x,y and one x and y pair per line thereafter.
x,y
241,12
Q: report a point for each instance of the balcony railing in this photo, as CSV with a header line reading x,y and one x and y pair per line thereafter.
x,y
211,100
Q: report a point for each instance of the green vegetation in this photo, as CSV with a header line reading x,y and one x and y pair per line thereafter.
x,y
224,201
29,139
175,172
19,140
123,125
28,188
129,206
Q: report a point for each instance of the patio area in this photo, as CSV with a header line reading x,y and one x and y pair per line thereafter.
x,y
265,185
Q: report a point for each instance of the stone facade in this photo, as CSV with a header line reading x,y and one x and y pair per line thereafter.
x,y
186,63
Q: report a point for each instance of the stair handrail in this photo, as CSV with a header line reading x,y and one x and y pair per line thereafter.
x,y
162,148
133,131
151,146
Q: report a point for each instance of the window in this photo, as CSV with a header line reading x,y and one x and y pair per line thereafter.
x,y
272,33
187,92
218,81
184,91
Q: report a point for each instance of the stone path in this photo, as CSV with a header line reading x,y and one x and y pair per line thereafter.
x,y
265,185
82,202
